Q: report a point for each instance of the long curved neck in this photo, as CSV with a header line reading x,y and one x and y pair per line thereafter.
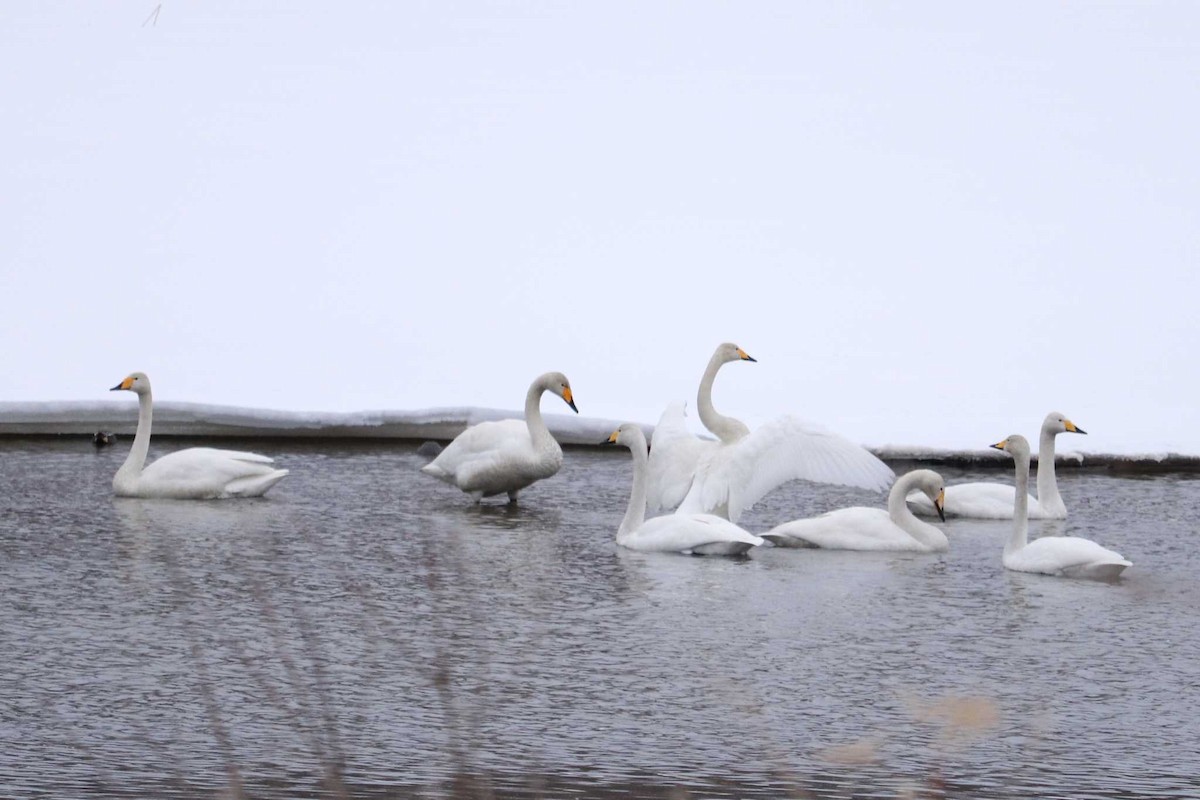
x,y
898,510
1020,534
141,440
727,429
538,431
635,515
1047,485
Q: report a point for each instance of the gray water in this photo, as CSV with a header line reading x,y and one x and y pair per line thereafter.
x,y
367,631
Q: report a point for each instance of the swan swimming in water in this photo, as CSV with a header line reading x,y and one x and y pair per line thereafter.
x,y
861,528
982,500
1069,556
728,476
197,473
505,456
698,534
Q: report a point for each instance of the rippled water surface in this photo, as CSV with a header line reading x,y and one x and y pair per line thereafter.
x,y
365,628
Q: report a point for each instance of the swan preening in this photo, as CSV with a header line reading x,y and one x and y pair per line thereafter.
x,y
1069,556
862,528
197,473
728,476
505,456
995,500
698,534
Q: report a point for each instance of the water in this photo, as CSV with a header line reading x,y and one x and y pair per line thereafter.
x,y
365,629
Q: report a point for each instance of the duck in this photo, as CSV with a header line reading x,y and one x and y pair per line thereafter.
x,y
694,534
863,528
505,456
732,473
196,473
1065,556
985,500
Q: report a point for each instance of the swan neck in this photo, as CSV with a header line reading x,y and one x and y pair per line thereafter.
x,y
141,440
1020,535
900,514
726,429
538,431
635,515
1047,483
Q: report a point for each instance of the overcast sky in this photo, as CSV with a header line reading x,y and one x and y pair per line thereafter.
x,y
932,223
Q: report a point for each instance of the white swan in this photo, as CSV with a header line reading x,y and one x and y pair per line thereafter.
x,y
505,456
1069,556
861,528
995,500
197,473
699,534
732,474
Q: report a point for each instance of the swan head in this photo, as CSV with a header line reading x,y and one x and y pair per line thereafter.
x,y
934,488
1015,445
135,382
630,435
731,352
1057,423
557,383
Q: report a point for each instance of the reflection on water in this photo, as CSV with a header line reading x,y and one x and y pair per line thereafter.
x,y
366,631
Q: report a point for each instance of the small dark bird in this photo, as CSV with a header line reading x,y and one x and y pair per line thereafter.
x,y
103,438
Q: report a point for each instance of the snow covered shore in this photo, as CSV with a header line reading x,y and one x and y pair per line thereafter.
x,y
442,424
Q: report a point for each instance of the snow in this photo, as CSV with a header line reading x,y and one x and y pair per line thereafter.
x,y
201,419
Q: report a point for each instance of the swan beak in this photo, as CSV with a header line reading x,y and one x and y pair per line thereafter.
x,y
1000,445
570,398
125,384
940,504
744,356
612,438
1073,428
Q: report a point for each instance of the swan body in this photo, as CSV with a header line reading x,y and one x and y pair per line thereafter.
x,y
697,534
731,474
1067,556
197,473
985,500
862,528
505,456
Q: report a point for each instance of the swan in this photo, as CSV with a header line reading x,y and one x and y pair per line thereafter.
x,y
1069,556
506,455
995,500
862,528
731,474
197,473
698,534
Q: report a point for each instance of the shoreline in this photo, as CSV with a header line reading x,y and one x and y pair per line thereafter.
x,y
176,420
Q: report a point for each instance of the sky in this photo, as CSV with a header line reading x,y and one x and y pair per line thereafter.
x,y
931,223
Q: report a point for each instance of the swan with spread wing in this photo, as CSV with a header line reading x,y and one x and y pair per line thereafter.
x,y
728,476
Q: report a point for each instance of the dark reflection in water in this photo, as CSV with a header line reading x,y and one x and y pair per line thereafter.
x,y
365,631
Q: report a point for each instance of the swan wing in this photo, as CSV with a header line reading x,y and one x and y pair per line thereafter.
x,y
979,500
735,476
209,472
1058,554
674,454
856,528
480,446
685,533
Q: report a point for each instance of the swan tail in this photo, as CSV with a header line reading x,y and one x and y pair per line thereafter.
x,y
255,485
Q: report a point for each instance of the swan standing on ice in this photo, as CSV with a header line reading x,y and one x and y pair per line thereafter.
x,y
197,473
860,528
1069,556
507,455
995,500
731,475
699,534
